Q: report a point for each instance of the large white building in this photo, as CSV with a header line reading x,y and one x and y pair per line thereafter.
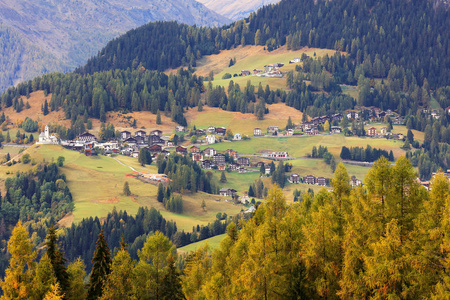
x,y
46,138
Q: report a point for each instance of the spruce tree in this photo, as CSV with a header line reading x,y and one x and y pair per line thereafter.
x,y
223,178
101,267
160,194
171,283
126,189
158,118
57,259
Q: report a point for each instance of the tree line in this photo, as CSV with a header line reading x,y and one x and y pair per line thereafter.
x,y
368,154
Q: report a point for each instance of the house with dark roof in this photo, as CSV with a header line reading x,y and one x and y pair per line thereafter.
x,y
219,159
155,149
205,164
194,149
309,179
257,132
86,137
227,192
141,133
156,132
155,139
125,135
322,181
130,142
243,161
209,152
181,150
294,178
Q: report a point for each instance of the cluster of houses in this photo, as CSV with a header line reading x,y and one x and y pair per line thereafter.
x,y
372,132
271,70
308,179
209,158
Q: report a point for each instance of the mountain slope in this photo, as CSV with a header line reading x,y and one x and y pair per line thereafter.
x,y
410,34
63,34
236,9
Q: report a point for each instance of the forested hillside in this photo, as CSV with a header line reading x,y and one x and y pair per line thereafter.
x,y
49,36
411,34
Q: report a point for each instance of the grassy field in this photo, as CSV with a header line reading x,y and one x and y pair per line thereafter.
x,y
301,146
213,243
96,184
249,58
243,123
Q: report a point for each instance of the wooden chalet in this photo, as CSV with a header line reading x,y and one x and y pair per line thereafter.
x,y
86,137
209,152
154,149
194,149
227,192
294,178
243,161
156,132
181,150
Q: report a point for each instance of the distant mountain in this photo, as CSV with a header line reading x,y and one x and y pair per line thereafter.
x,y
58,35
236,9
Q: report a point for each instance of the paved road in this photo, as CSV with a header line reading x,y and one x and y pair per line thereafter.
x,y
16,145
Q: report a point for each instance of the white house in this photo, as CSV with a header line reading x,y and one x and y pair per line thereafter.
x,y
211,139
237,137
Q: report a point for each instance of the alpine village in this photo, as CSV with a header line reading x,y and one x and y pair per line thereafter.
x,y
253,149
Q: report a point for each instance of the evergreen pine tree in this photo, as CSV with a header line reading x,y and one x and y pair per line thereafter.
x,y
289,124
57,259
126,189
200,105
251,193
171,283
160,194
158,118
101,267
223,178
45,108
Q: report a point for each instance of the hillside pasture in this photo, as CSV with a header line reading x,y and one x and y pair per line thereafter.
x,y
213,243
244,124
250,58
96,185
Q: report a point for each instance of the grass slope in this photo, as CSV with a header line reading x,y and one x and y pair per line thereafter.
x,y
96,184
213,243
250,58
237,122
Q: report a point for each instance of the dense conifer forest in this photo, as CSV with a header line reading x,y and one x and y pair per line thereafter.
x,y
413,35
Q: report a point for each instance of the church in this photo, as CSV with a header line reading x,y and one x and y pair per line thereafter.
x,y
46,138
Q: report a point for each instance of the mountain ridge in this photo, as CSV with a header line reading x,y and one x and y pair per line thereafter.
x,y
236,9
66,33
